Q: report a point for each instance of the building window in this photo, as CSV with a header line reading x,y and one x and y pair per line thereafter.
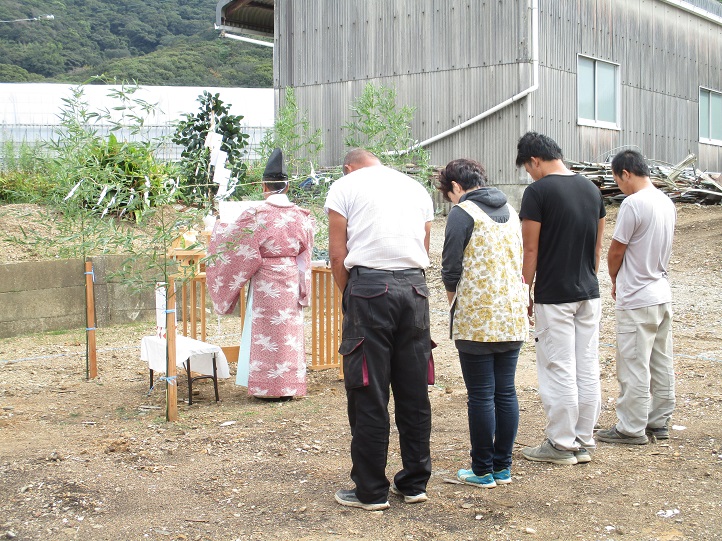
x,y
710,116
597,93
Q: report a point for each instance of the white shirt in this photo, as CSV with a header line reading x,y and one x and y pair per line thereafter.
x,y
279,200
645,223
386,213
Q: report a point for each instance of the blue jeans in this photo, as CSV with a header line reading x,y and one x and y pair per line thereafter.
x,y
493,408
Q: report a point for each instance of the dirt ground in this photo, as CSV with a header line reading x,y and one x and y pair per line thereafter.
x,y
96,460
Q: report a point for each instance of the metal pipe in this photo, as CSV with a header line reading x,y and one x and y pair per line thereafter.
x,y
38,18
248,40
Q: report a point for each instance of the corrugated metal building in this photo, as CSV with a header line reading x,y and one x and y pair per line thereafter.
x,y
610,73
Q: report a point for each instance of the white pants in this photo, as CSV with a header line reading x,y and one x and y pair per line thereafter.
x,y
567,354
645,368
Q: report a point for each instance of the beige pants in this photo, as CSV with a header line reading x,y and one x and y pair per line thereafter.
x,y
645,368
567,355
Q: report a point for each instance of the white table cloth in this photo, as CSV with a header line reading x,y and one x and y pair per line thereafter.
x,y
152,351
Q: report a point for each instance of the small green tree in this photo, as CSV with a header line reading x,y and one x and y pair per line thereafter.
x,y
148,260
191,134
106,174
293,134
378,125
301,145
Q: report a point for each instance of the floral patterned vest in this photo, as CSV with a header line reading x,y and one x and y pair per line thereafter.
x,y
491,298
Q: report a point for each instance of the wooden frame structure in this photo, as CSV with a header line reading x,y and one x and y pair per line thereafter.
x,y
326,315
189,286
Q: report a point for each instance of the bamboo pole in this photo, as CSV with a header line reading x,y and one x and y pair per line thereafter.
x,y
202,279
314,318
184,309
193,306
337,326
330,330
171,384
320,318
91,359
242,309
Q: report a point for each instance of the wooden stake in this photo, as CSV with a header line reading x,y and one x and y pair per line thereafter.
x,y
92,359
171,385
242,309
184,307
193,306
324,328
337,326
202,283
315,302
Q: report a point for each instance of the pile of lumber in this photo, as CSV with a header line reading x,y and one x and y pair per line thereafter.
x,y
683,182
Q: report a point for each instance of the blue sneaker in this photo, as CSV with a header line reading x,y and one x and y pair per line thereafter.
x,y
502,477
468,477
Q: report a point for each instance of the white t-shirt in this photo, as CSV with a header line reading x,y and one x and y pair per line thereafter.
x,y
645,223
386,213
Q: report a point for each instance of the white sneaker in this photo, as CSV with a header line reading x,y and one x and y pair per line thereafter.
x,y
417,498
546,452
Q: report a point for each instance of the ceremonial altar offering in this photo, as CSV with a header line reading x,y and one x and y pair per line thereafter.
x,y
191,355
190,287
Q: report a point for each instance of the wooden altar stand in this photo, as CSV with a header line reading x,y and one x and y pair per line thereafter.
x,y
326,315
326,321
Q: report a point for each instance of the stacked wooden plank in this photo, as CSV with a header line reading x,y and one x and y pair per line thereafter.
x,y
682,182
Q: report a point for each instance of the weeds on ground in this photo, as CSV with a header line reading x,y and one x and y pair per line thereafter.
x,y
23,172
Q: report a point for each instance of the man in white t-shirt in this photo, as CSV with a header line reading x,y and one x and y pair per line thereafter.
x,y
379,222
638,260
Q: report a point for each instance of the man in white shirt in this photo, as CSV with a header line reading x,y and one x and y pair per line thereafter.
x,y
638,260
379,227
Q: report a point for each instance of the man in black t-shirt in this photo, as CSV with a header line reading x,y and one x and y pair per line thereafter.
x,y
562,224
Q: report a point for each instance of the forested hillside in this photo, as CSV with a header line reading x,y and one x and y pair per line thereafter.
x,y
156,42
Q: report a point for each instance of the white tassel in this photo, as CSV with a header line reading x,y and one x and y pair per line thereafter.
x,y
102,194
72,192
112,201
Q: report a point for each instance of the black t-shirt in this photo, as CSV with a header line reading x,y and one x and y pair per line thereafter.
x,y
569,208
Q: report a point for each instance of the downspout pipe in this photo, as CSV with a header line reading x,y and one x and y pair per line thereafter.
x,y
534,8
225,34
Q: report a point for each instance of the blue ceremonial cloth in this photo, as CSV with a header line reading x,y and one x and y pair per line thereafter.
x,y
244,354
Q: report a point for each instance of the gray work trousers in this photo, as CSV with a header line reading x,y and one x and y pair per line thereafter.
x,y
645,368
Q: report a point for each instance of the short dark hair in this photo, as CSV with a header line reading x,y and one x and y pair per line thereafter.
x,y
536,145
631,161
466,173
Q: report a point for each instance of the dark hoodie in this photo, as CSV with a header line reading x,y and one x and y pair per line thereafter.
x,y
459,227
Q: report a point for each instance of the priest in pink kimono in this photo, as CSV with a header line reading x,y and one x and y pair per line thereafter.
x,y
270,246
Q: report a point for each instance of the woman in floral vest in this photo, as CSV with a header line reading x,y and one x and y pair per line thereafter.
x,y
481,270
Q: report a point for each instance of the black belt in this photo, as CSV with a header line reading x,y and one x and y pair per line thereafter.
x,y
358,271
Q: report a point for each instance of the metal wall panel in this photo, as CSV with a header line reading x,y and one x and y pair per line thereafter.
x,y
453,59
447,59
664,55
343,40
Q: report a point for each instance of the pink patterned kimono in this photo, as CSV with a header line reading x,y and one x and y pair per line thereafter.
x,y
270,245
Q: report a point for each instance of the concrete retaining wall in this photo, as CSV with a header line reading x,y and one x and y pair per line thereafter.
x,y
50,295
